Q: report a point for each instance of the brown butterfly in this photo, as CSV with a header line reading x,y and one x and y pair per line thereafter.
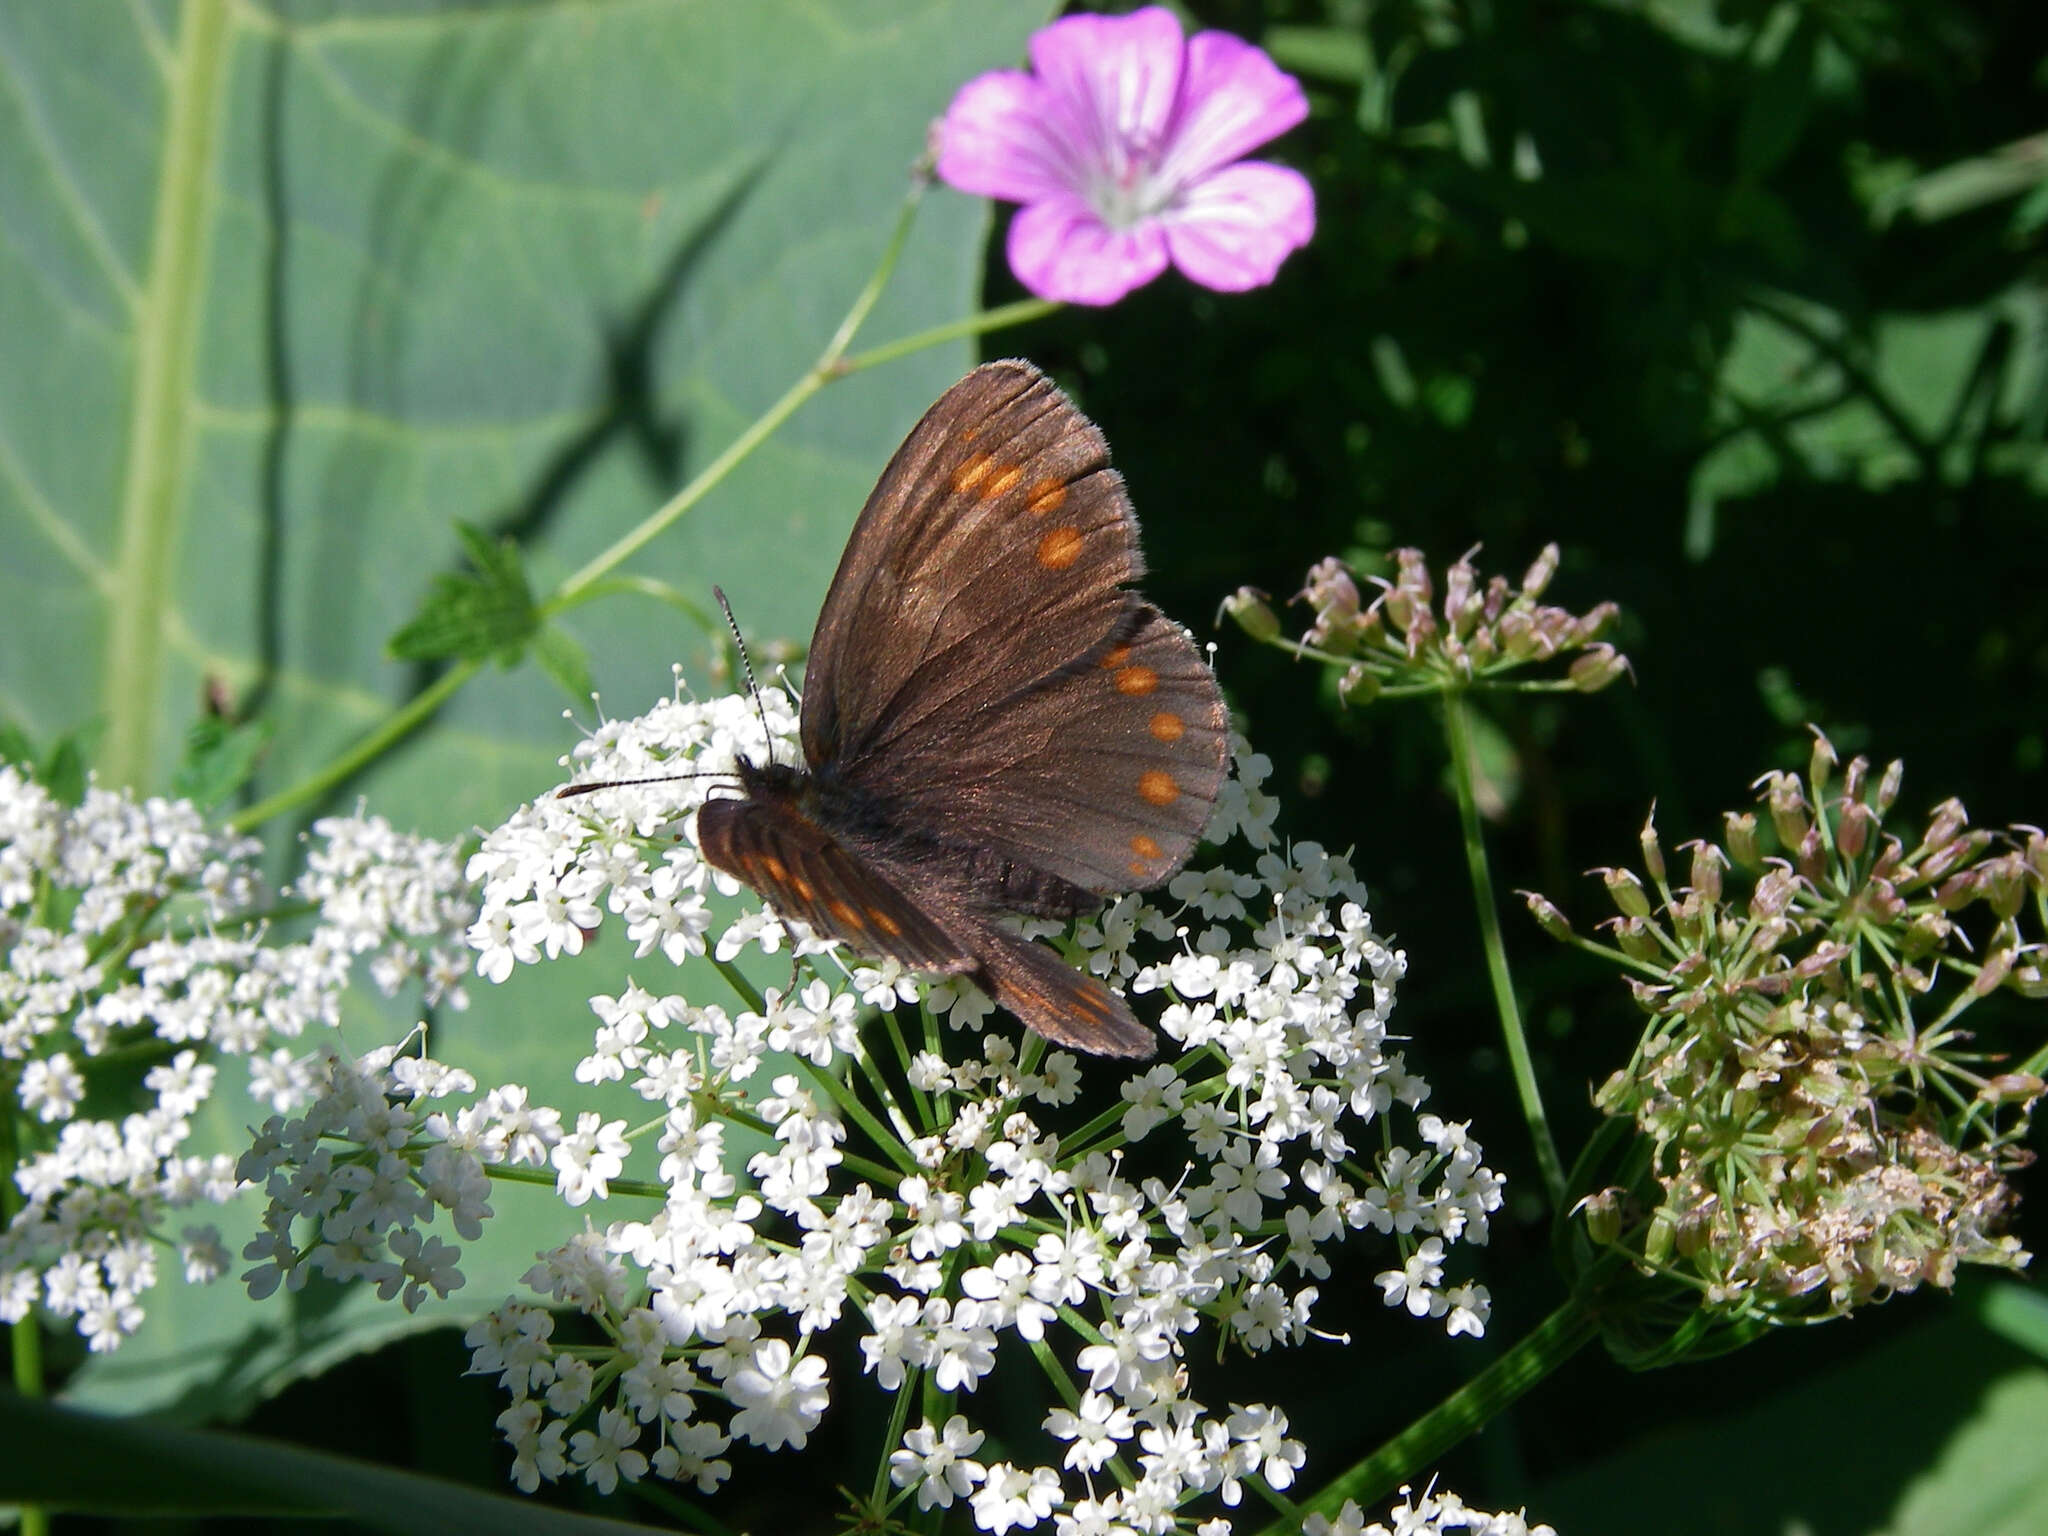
x,y
992,721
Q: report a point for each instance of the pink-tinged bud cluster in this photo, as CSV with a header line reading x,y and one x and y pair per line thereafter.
x,y
1819,1137
1482,630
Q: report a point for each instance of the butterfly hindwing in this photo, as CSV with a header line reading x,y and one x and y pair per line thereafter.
x,y
1067,1006
992,551
1103,774
806,873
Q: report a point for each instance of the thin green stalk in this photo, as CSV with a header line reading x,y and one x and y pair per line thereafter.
x,y
827,368
1458,736
399,724
159,428
1553,1341
24,1337
1020,313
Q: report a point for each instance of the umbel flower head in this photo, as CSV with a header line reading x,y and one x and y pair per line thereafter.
x,y
132,932
1814,1131
872,1152
1125,144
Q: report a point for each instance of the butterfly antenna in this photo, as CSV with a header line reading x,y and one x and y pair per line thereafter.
x,y
746,666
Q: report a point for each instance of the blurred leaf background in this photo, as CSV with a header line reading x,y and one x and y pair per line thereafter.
x,y
1742,303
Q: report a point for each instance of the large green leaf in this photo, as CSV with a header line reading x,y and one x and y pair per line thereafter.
x,y
72,1461
290,289
1934,1434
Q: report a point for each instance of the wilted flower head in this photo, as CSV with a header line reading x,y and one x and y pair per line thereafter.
x,y
1405,638
1821,1136
1124,144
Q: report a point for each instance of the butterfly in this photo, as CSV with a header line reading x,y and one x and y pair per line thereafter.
x,y
992,721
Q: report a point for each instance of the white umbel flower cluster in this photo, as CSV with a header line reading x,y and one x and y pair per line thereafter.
x,y
138,960
954,1195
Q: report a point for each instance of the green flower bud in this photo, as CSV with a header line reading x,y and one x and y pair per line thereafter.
x,y
1599,667
1603,1215
1888,786
1790,815
1254,615
1653,851
1821,765
1707,863
1359,685
1741,830
1552,921
1627,891
2012,1088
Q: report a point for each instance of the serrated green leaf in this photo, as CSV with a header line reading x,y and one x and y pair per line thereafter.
x,y
15,747
63,771
564,660
482,614
220,757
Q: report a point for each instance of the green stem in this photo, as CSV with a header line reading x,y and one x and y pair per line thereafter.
x,y
1553,1341
397,725
1020,313
827,368
159,428
1458,735
24,1338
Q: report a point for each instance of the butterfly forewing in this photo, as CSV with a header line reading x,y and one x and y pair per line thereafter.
x,y
806,873
992,552
1103,774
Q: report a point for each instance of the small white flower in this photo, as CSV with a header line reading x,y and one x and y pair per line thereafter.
x,y
588,1159
938,1462
779,1402
1015,1496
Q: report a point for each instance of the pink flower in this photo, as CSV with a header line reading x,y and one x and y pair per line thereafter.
x,y
1123,145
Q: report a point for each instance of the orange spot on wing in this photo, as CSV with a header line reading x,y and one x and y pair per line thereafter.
x,y
1156,787
973,472
885,922
1046,496
1146,848
845,913
777,870
1117,656
1136,679
1001,481
803,888
1060,548
1167,726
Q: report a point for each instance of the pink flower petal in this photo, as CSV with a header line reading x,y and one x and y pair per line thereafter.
x,y
1233,99
1231,231
1060,249
994,140
1113,83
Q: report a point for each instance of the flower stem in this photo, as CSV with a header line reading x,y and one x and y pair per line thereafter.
x,y
1458,737
1553,1341
399,724
1020,313
169,324
25,1337
827,368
